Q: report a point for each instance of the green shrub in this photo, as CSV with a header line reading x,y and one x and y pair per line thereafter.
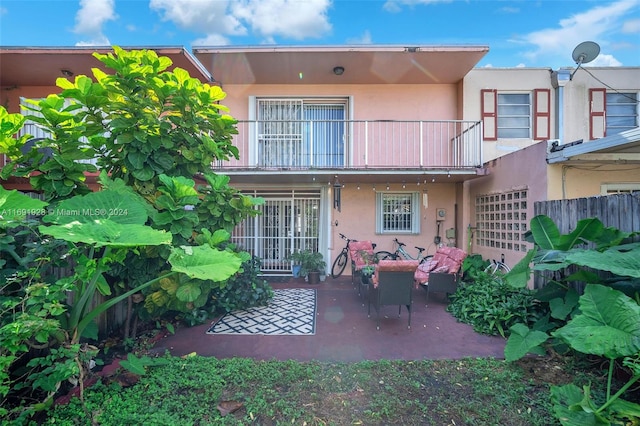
x,y
491,306
244,290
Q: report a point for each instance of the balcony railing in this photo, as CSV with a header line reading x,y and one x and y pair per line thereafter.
x,y
356,144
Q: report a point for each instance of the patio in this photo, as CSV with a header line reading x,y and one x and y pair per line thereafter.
x,y
344,333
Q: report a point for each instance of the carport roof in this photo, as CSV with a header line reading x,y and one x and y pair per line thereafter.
x,y
623,148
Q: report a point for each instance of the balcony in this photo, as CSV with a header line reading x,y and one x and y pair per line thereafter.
x,y
356,145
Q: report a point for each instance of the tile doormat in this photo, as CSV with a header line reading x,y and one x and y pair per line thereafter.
x,y
292,311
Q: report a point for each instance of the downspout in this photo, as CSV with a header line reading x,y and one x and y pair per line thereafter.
x,y
558,80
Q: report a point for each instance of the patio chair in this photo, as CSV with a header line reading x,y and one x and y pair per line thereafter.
x,y
392,284
361,254
442,273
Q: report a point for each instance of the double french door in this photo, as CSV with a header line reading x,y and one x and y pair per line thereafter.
x,y
289,221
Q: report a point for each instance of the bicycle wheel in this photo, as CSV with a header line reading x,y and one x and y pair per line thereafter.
x,y
501,268
339,264
385,255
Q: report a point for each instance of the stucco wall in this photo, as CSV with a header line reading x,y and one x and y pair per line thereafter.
x,y
578,181
576,96
504,79
370,102
526,168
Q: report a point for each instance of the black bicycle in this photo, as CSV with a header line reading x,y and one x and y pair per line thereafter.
x,y
341,260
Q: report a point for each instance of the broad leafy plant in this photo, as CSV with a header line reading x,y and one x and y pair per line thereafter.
x,y
604,320
151,133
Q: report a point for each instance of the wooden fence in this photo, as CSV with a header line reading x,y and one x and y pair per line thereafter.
x,y
621,211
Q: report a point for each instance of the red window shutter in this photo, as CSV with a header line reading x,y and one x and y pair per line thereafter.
x,y
489,114
597,113
541,114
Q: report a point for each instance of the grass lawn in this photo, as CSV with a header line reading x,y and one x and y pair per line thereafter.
x,y
194,390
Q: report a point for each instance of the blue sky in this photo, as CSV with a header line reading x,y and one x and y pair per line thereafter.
x,y
531,33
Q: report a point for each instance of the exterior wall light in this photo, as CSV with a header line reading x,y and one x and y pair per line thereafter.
x,y
338,70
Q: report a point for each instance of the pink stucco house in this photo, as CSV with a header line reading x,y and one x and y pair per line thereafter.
x,y
385,142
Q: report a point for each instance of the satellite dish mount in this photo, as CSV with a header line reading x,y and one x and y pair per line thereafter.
x,y
584,53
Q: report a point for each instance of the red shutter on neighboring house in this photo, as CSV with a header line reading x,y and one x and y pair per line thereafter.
x,y
597,113
541,114
489,114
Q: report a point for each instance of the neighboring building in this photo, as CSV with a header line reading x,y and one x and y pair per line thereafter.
x,y
406,142
589,126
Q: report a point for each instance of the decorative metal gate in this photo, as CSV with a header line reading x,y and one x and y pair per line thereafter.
x,y
290,221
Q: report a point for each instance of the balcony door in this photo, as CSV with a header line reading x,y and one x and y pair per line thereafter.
x,y
289,221
301,133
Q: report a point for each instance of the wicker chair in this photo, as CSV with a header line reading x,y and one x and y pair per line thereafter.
x,y
392,284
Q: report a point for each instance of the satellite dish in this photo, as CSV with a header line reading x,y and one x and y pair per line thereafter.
x,y
584,53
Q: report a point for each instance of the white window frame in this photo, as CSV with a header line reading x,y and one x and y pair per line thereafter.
x,y
501,115
413,220
629,107
618,188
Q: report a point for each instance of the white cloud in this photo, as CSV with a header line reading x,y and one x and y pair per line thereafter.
x,y
268,19
90,18
604,61
97,41
394,6
202,16
287,18
211,40
631,27
596,24
365,38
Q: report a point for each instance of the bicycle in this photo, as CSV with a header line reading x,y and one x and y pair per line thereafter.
x,y
341,260
402,253
497,267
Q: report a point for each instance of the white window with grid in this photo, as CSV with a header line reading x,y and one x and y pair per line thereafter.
x,y
618,188
397,213
622,112
514,115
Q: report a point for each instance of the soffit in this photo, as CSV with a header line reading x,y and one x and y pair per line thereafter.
x,y
34,66
362,64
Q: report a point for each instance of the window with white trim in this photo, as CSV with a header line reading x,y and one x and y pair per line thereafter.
x,y
516,115
622,112
618,188
301,132
397,213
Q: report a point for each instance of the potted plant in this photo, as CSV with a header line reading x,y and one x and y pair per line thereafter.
x,y
311,264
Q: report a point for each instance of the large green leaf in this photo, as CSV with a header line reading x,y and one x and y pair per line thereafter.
x,y
574,408
189,291
522,341
102,205
204,262
105,232
608,324
586,230
545,232
561,307
15,206
519,275
620,263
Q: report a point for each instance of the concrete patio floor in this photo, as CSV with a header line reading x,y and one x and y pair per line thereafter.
x,y
344,333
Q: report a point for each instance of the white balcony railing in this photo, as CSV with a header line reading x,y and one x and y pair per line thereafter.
x,y
356,144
